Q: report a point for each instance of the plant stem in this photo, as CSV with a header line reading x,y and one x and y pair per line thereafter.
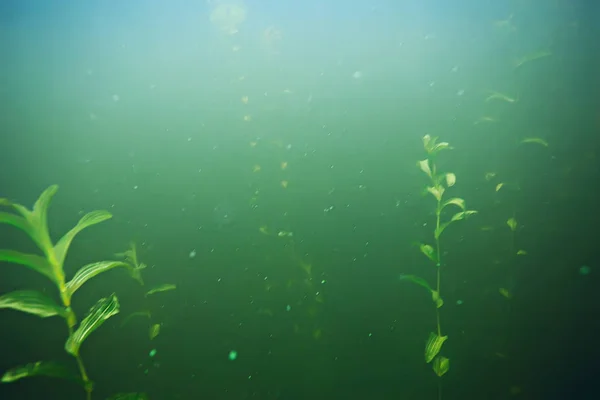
x,y
87,384
439,261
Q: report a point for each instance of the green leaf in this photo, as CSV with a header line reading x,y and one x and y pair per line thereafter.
x,y
436,191
455,201
130,255
37,219
32,302
440,229
428,251
535,140
41,368
431,145
15,220
424,165
35,262
136,314
154,331
129,396
91,218
89,271
433,346
100,312
450,179
441,365
435,296
416,279
462,215
161,288
456,217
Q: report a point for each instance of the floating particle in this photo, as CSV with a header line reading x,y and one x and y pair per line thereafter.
x,y
193,253
232,355
288,307
584,270
152,353
459,302
284,184
115,97
357,74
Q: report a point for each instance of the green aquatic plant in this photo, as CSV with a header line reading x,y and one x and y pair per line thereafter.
x,y
51,264
439,183
130,257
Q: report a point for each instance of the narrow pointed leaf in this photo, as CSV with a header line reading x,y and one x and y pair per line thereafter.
x,y
136,314
431,145
89,271
40,368
100,312
456,217
91,218
416,279
37,219
462,215
433,346
35,262
154,331
32,302
162,288
428,251
535,140
16,221
440,146
455,201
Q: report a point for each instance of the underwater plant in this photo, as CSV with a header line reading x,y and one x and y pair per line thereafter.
x,y
130,257
439,183
51,264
